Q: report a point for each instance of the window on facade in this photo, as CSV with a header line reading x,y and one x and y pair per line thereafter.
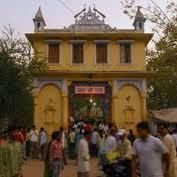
x,y
53,53
38,25
101,53
125,53
78,53
140,26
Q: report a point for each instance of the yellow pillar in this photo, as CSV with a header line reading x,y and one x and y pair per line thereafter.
x,y
35,93
115,117
65,103
35,111
144,108
65,111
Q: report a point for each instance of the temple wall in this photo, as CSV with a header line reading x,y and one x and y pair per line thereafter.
x,y
52,108
138,55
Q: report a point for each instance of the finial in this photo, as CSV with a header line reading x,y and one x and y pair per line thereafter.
x,y
39,13
39,22
139,20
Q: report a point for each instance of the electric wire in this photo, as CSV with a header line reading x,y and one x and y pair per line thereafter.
x,y
66,6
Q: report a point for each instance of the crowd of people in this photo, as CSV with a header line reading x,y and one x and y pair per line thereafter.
x,y
156,156
16,145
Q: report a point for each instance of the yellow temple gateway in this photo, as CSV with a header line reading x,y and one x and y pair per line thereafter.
x,y
95,72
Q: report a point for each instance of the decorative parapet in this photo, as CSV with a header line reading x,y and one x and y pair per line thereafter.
x,y
91,20
89,17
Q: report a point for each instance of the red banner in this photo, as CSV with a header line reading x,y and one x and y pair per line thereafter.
x,y
99,90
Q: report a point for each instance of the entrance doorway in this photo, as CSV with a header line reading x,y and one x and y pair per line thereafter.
x,y
90,101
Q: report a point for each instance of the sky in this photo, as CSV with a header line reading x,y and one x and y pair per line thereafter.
x,y
19,13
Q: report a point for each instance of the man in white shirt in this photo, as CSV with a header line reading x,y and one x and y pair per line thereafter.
x,y
124,145
106,128
174,136
42,142
94,143
80,124
149,151
83,157
72,143
101,126
167,140
64,144
111,143
34,142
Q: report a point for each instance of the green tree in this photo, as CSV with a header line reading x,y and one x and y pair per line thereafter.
x,y
162,56
162,60
17,66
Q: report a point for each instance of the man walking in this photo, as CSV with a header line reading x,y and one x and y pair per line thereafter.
x,y
111,143
149,151
83,157
169,143
34,142
94,143
42,142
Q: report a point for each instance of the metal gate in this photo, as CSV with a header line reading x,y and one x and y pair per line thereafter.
x,y
90,105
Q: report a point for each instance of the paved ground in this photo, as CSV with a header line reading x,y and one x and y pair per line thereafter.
x,y
36,168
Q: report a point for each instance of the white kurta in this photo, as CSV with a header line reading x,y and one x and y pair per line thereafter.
x,y
110,144
169,143
83,156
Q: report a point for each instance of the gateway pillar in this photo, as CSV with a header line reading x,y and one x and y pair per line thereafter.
x,y
65,103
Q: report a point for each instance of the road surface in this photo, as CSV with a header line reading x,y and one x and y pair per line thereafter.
x,y
35,169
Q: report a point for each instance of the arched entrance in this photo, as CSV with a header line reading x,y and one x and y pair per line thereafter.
x,y
90,101
129,107
49,108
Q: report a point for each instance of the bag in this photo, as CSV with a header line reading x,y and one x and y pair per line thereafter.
x,y
112,156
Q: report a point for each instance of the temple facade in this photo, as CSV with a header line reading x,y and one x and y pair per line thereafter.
x,y
94,71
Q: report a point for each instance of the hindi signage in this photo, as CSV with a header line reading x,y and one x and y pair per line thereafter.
x,y
100,90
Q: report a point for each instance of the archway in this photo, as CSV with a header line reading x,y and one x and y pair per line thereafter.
x,y
129,107
93,102
49,108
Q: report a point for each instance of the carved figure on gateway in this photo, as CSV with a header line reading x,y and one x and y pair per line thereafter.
x,y
129,111
50,112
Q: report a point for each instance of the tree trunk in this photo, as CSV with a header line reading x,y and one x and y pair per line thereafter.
x,y
3,123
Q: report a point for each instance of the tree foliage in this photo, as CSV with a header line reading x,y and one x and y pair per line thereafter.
x,y
17,65
162,57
